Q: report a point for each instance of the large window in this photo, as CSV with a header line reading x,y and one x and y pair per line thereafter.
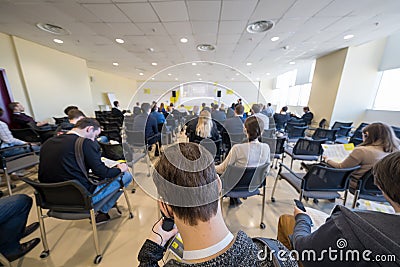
x,y
388,96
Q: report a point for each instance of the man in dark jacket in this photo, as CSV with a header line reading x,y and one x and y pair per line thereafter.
x,y
58,163
371,235
116,112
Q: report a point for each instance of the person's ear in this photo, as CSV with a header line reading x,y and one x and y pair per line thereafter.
x,y
166,209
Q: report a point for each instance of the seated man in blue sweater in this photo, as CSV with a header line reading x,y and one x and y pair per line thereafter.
x,y
371,235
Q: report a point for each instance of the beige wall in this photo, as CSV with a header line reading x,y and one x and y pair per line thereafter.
x,y
359,82
325,84
102,83
54,79
9,62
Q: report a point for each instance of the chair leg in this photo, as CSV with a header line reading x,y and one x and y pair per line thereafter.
x,y
291,164
356,195
345,197
46,252
95,236
128,203
301,195
262,224
273,189
8,181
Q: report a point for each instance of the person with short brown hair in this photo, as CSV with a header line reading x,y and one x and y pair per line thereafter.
x,y
189,193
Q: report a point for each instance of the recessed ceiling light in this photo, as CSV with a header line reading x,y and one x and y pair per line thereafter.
x,y
200,79
120,41
249,63
198,74
275,38
194,64
58,41
154,64
260,26
292,62
205,47
232,79
349,36
151,49
268,73
237,74
176,79
115,64
183,40
169,74
153,78
141,73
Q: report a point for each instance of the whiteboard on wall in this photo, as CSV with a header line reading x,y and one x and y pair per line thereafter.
x,y
111,98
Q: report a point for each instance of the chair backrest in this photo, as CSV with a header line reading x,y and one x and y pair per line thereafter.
x,y
276,145
135,138
27,135
367,184
295,131
112,151
356,141
320,133
60,120
323,178
113,134
244,179
269,133
214,147
308,147
339,124
68,196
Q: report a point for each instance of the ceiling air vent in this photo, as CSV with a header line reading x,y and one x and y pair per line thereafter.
x,y
54,29
260,26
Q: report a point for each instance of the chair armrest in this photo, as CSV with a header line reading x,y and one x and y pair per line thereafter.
x,y
289,170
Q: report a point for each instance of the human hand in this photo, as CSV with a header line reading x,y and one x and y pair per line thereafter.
x,y
123,167
298,211
161,237
324,158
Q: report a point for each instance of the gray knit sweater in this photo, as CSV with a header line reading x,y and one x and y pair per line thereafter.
x,y
243,253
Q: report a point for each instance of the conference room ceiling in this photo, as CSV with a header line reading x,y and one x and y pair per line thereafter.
x,y
306,29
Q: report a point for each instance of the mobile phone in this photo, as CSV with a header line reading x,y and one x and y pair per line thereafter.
x,y
168,223
299,205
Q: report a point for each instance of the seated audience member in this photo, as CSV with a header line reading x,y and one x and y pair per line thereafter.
x,y
205,128
281,118
268,110
8,140
183,110
116,112
222,107
230,111
162,110
218,115
74,115
255,110
148,124
307,117
14,211
67,109
58,163
378,141
136,109
249,154
191,121
157,115
234,125
361,230
206,238
20,120
203,105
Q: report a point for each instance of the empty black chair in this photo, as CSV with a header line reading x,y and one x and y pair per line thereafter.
x,y
320,182
112,135
17,163
239,182
325,134
364,188
27,135
277,148
295,132
306,150
110,125
112,151
343,128
69,200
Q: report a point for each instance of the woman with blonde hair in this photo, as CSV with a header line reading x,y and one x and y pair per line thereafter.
x,y
205,127
378,141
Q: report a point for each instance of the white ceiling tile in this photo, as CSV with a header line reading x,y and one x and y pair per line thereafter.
x,y
305,8
340,8
206,39
178,28
124,28
237,10
171,11
204,10
152,28
205,27
107,12
228,38
160,40
345,23
139,12
288,25
76,11
271,9
232,27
